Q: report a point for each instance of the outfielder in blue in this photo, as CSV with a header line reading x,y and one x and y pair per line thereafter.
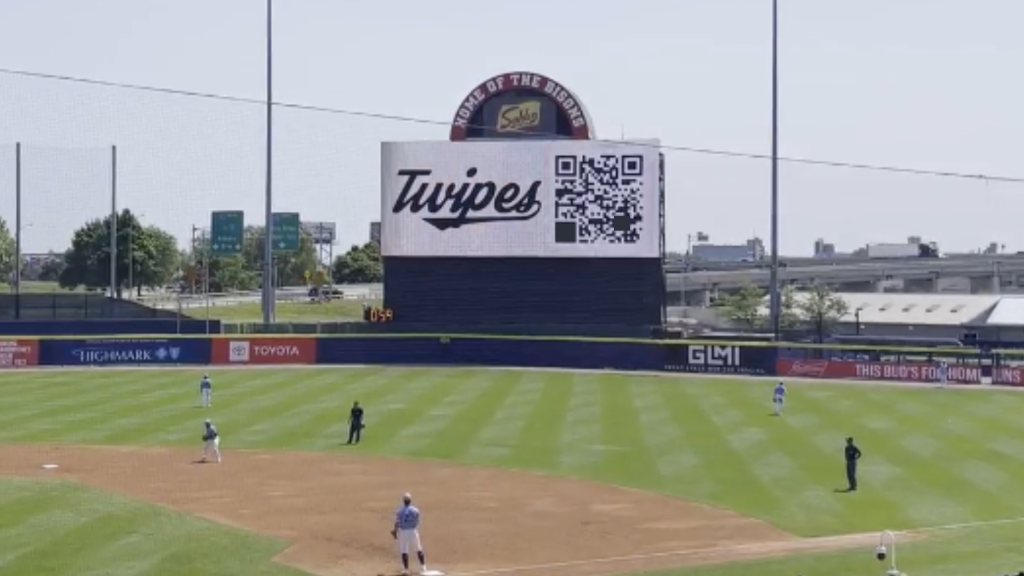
x,y
779,397
406,531
206,391
942,373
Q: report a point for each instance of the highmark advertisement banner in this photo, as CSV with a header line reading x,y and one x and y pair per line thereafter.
x,y
129,351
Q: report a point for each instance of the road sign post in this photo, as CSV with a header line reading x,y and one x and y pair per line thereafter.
x,y
227,232
286,233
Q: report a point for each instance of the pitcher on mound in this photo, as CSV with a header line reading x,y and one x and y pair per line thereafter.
x,y
406,532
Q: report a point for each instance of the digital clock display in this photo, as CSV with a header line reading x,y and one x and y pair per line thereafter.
x,y
378,314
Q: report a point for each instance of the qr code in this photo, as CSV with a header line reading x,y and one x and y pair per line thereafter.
x,y
599,199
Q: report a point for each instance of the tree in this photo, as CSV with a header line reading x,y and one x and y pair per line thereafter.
x,y
823,308
745,307
230,273
360,265
7,252
790,317
290,267
51,268
147,256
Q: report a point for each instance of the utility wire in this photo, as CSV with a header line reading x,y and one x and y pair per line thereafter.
x,y
411,120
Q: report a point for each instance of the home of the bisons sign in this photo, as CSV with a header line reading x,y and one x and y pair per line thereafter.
x,y
521,105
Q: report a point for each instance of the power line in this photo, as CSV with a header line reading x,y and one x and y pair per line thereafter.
x,y
412,120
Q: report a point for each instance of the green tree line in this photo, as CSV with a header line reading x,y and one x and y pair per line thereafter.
x,y
148,257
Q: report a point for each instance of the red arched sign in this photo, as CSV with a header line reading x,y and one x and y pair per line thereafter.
x,y
568,105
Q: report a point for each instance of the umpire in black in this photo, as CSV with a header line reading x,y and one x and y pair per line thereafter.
x,y
355,424
852,454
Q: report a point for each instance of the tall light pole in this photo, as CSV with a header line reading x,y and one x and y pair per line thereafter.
x,y
268,224
775,303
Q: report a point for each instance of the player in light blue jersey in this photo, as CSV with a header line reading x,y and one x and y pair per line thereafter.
x,y
942,373
407,532
779,397
211,441
206,391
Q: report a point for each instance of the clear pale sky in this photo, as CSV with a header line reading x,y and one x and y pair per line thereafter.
x,y
933,84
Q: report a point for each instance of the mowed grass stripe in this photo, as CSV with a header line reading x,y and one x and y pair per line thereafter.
x,y
581,430
509,429
409,429
64,405
460,431
725,454
414,397
461,398
541,425
280,406
125,418
624,454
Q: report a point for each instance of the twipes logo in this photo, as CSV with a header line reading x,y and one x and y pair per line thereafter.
x,y
450,205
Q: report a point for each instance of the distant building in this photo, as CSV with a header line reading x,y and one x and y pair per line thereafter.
x,y
375,232
824,249
752,251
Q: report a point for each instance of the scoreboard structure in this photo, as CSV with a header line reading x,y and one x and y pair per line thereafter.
x,y
522,220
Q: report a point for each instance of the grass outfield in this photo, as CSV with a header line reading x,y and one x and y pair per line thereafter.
x,y
932,457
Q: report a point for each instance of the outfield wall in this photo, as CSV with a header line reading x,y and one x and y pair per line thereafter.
x,y
966,366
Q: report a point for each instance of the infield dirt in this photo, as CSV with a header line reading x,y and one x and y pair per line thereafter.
x,y
336,511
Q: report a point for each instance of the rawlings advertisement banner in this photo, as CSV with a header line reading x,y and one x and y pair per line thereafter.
x,y
19,353
858,370
264,351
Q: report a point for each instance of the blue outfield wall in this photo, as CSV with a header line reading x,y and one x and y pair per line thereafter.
x,y
635,355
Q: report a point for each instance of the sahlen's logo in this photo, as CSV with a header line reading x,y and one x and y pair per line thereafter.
x,y
448,205
518,117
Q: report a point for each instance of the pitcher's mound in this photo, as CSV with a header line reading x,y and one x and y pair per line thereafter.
x,y
337,511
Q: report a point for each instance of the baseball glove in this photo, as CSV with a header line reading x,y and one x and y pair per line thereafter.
x,y
394,534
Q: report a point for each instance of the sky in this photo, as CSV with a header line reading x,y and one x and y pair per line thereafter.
x,y
926,84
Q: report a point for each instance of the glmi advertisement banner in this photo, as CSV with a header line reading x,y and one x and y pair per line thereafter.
x,y
713,359
126,351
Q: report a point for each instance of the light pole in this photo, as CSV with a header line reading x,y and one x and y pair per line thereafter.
x,y
773,284
268,225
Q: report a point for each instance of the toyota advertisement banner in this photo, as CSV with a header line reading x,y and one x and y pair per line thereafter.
x,y
866,370
19,353
712,359
239,351
551,198
126,351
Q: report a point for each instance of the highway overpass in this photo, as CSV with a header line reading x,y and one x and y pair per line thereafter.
x,y
987,274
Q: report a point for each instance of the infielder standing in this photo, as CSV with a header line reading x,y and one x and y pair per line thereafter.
x,y
942,373
406,531
211,441
206,391
779,397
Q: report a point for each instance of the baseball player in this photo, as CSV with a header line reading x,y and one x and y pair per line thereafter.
x,y
779,397
206,391
211,441
942,373
406,531
355,424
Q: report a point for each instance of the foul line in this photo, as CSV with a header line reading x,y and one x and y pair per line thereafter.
x,y
736,548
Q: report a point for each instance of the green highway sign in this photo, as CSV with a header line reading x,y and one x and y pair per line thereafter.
x,y
285,237
227,232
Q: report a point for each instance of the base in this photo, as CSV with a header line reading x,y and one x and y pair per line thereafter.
x,y
431,573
